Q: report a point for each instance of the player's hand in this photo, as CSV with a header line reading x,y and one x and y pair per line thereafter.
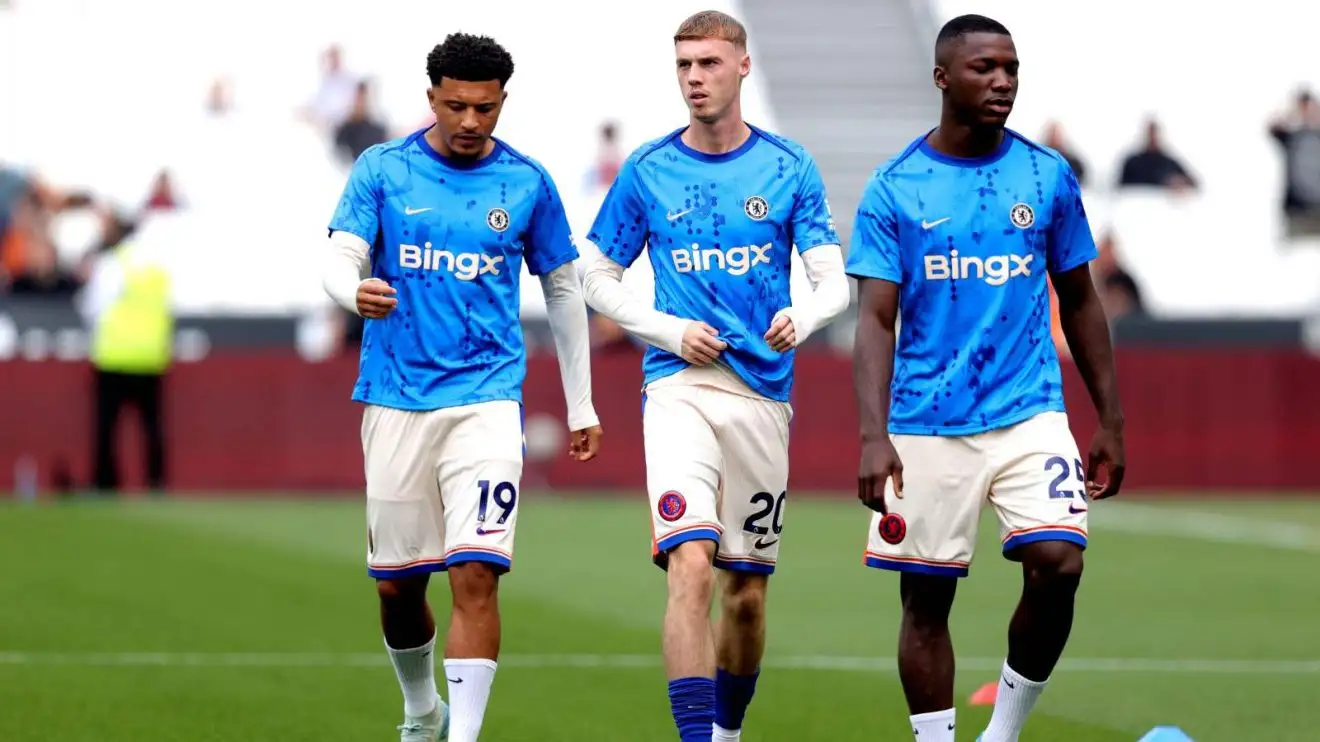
x,y
782,336
1106,451
701,344
375,299
880,462
583,444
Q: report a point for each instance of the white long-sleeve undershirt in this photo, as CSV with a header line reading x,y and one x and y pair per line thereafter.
x,y
348,263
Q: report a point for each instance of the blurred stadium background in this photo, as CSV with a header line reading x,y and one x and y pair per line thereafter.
x,y
218,135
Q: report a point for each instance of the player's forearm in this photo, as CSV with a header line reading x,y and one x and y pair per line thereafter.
x,y
1087,331
345,265
568,324
604,291
829,294
873,372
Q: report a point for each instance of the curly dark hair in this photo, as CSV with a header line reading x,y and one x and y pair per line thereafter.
x,y
469,58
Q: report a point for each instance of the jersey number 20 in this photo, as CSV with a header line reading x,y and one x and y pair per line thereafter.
x,y
769,504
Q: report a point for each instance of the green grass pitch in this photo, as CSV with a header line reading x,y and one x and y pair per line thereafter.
x,y
255,620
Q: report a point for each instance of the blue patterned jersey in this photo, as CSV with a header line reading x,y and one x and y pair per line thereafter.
x,y
970,243
451,237
719,230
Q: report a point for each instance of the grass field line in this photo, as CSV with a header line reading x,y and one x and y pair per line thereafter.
x,y
1206,526
626,661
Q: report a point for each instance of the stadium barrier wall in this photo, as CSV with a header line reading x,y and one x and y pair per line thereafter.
x,y
1198,420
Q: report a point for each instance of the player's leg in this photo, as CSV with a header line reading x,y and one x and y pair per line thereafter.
x,y
739,646
944,484
405,544
753,436
682,476
1038,495
480,472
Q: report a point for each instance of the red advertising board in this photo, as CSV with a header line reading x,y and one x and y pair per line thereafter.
x,y
1197,420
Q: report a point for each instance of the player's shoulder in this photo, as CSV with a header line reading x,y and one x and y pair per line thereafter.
x,y
887,173
886,176
788,146
1052,158
517,160
378,154
650,149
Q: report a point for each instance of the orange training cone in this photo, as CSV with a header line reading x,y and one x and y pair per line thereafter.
x,y
985,695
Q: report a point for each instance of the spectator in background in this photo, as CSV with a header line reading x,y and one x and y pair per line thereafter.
x,y
1053,139
360,130
163,195
1298,133
333,99
28,258
41,273
127,305
609,158
13,186
1119,292
218,99
15,190
1153,166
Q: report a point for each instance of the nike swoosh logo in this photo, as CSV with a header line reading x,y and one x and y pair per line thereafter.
x,y
454,680
675,216
931,225
484,532
1076,510
413,212
766,544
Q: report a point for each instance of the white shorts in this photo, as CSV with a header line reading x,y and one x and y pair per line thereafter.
x,y
1030,473
442,486
716,469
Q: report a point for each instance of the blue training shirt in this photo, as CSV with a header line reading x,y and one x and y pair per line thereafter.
x,y
719,230
451,237
970,243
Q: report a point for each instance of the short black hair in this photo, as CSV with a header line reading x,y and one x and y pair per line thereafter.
x,y
469,58
963,25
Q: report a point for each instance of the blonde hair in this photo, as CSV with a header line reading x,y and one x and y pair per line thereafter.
x,y
712,24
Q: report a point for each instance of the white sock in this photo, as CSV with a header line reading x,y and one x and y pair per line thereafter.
x,y
936,726
469,689
415,669
720,734
1017,696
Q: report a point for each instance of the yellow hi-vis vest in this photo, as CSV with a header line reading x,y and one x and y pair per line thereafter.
x,y
135,334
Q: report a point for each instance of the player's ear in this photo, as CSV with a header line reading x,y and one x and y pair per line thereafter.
x,y
430,97
941,78
504,95
745,65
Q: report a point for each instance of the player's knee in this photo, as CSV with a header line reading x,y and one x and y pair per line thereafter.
x,y
473,586
1052,565
744,597
691,576
402,591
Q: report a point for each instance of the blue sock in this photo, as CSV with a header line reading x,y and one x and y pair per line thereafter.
x,y
733,694
693,704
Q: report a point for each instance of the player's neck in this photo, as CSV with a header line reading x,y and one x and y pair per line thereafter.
x,y
967,142
437,141
717,137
